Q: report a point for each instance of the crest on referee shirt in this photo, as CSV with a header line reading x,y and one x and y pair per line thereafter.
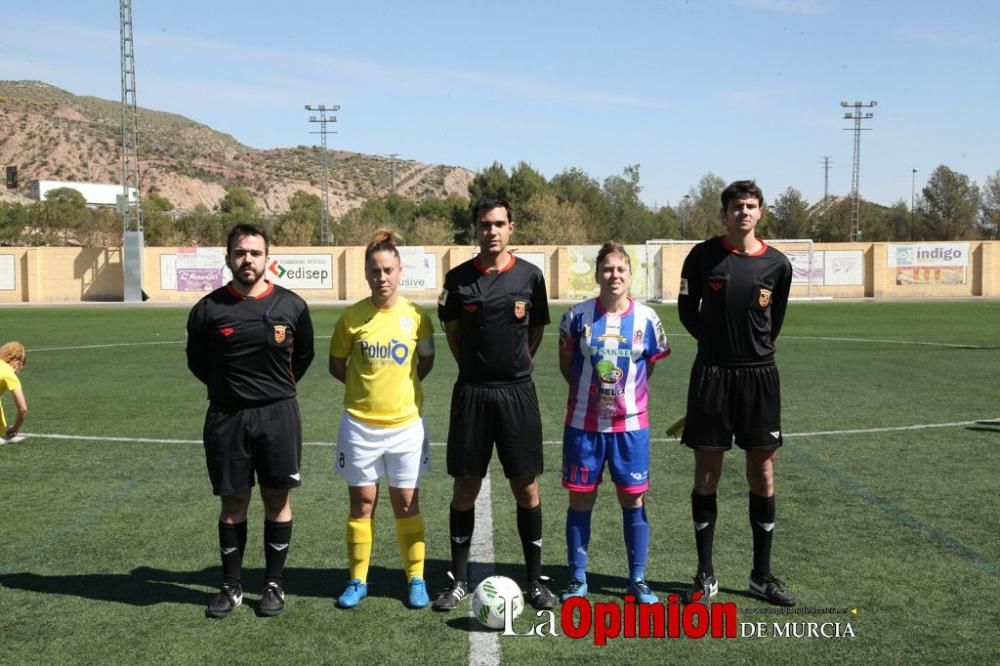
x,y
279,333
520,309
443,297
765,298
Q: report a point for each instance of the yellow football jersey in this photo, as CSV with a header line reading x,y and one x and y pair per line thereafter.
x,y
8,382
381,348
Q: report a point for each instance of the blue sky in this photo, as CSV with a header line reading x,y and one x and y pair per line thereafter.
x,y
741,88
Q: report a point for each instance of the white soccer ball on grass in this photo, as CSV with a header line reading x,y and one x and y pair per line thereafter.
x,y
492,600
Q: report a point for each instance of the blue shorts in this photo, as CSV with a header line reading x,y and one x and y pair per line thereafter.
x,y
626,453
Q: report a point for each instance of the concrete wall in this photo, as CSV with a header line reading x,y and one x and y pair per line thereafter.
x,y
74,275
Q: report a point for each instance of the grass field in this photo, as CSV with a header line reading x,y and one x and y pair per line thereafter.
x,y
887,503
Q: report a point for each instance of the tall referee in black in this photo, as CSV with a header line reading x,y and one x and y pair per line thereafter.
x,y
250,342
733,295
494,309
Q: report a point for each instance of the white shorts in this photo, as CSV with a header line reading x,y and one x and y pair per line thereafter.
x,y
367,452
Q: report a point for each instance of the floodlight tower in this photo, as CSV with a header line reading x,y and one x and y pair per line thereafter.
x,y
857,116
325,232
130,201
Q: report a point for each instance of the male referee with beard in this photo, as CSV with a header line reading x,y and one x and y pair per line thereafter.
x,y
250,342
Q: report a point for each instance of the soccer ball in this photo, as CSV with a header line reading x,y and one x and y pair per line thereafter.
x,y
492,598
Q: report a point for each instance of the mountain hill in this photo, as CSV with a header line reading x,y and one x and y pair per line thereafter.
x,y
51,134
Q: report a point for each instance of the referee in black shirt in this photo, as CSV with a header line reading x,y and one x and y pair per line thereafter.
x,y
732,299
494,309
250,342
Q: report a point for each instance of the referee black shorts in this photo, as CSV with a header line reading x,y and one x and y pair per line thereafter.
x,y
265,439
507,415
727,403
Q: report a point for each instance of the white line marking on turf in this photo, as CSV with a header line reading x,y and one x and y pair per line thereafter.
x,y
888,342
818,433
484,644
110,345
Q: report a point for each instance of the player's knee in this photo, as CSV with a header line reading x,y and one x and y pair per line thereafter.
x,y
627,500
275,499
525,492
465,493
234,507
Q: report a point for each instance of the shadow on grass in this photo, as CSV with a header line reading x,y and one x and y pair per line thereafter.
x,y
986,425
147,586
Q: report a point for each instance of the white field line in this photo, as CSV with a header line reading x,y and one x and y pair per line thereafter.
x,y
818,433
924,343
880,341
484,644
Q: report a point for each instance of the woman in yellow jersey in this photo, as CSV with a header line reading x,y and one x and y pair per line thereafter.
x,y
12,359
382,347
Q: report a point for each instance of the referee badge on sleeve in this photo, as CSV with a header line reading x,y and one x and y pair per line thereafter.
x,y
765,298
443,297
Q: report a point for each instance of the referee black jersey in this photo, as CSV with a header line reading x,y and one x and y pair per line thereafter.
x,y
495,310
249,351
734,303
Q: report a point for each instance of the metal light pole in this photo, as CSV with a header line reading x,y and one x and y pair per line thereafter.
x,y
686,203
325,233
130,200
857,116
913,198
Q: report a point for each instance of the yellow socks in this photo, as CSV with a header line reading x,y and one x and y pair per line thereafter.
x,y
410,532
359,546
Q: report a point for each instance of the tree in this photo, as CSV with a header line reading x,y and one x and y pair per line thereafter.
x,y
951,203
667,223
13,220
703,218
431,231
831,221
64,212
238,207
160,228
493,181
547,221
989,221
788,218
206,228
631,221
358,225
299,225
897,222
525,183
103,229
575,186
454,209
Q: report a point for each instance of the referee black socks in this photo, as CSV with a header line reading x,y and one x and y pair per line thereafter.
x,y
529,528
704,511
460,526
762,524
277,537
232,543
